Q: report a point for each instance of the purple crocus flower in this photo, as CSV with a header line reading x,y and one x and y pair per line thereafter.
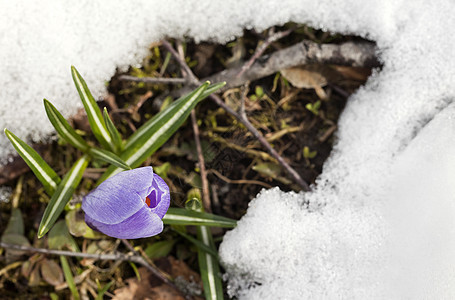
x,y
129,205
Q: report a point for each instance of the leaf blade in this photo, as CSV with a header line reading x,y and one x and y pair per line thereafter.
x,y
208,266
154,133
198,243
108,157
62,195
45,174
181,216
208,263
69,277
63,128
211,89
115,134
146,127
95,118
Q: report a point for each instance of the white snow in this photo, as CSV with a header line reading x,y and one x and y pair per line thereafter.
x,y
379,221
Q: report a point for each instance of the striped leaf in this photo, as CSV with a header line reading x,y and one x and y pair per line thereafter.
x,y
40,168
108,157
208,263
63,128
116,137
208,266
70,135
62,195
181,216
154,133
95,118
199,244
144,130
212,89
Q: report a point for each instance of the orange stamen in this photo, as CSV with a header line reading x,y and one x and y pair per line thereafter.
x,y
147,201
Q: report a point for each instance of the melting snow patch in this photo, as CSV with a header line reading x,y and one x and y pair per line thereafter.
x,y
380,221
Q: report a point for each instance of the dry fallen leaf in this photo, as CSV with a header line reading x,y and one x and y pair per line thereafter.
x,y
307,77
150,287
51,272
146,289
34,278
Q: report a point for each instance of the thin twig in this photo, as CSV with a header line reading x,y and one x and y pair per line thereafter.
x,y
260,50
17,193
200,157
116,256
150,266
136,258
243,119
263,141
239,181
205,183
193,79
355,54
152,79
245,91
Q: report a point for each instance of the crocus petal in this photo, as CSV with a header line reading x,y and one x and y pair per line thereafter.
x,y
142,224
162,194
128,205
137,180
119,197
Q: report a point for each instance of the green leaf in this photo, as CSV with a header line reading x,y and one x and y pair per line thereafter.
x,y
70,135
69,277
60,238
159,249
116,137
208,263
160,119
95,118
211,89
193,202
162,170
62,195
309,154
173,111
15,239
15,223
102,291
136,271
209,267
108,157
259,91
314,107
268,169
14,232
53,296
40,168
155,132
63,128
181,216
198,244
77,226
